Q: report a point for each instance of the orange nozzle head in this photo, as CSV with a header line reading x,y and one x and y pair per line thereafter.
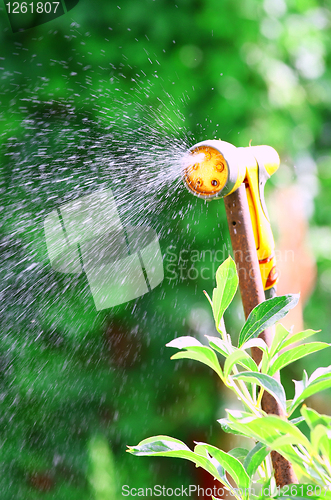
x,y
205,171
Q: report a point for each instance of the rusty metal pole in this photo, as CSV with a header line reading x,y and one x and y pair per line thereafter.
x,y
252,294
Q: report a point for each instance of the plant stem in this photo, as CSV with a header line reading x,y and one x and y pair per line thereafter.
x,y
242,385
322,475
259,399
248,402
269,467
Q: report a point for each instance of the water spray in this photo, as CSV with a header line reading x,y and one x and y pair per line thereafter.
x,y
216,169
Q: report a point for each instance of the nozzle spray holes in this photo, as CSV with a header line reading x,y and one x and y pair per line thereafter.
x,y
214,183
195,166
199,182
219,167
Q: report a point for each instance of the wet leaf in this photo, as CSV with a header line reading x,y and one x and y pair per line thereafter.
x,y
255,457
294,354
299,337
231,464
279,337
268,383
240,357
220,346
319,380
226,286
266,314
313,418
203,354
165,446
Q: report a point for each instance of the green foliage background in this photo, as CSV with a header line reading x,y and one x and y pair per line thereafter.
x,y
73,380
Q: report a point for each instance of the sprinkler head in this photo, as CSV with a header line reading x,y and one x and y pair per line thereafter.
x,y
215,169
206,170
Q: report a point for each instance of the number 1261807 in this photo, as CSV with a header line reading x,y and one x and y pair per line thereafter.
x,y
32,7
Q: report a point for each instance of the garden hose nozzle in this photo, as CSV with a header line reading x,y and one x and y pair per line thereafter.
x,y
215,169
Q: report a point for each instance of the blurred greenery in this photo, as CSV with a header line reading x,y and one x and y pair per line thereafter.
x,y
76,89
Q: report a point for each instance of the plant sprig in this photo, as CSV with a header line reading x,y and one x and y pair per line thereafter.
x,y
238,371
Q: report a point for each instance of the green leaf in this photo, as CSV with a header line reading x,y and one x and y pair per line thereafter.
x,y
282,441
255,343
280,335
320,440
203,354
297,421
196,351
221,471
313,418
165,446
239,356
157,444
323,371
184,342
272,423
202,450
299,337
294,354
266,314
249,364
226,286
220,346
271,385
255,458
239,453
299,386
225,423
227,427
268,430
264,363
231,464
318,381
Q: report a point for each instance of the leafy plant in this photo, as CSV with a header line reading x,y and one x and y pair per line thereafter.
x,y
250,470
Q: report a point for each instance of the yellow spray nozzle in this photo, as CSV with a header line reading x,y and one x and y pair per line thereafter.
x,y
211,169
206,171
215,169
